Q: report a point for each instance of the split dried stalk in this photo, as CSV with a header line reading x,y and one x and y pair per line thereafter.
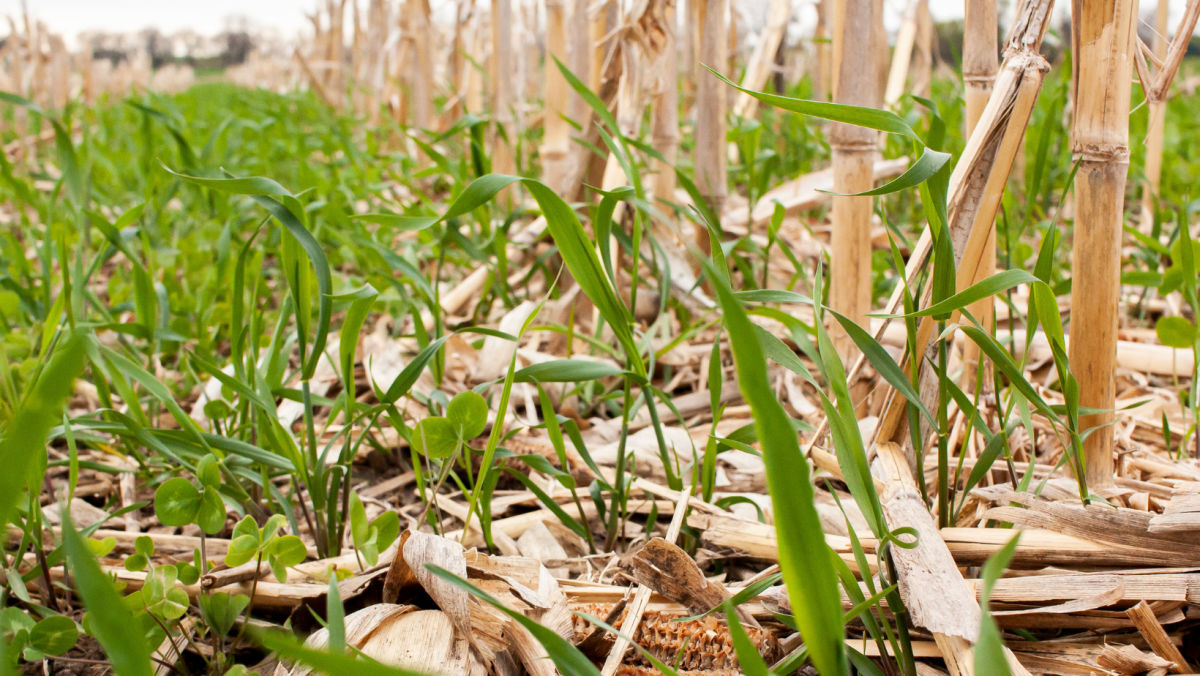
x,y
1102,37
1170,57
1154,127
1143,618
976,187
902,55
934,592
980,62
759,66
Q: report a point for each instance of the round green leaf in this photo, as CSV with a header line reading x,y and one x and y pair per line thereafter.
x,y
172,606
272,526
289,550
211,516
1175,332
144,545
208,471
242,549
13,620
54,635
246,526
176,502
435,437
387,528
100,548
188,574
217,409
468,413
136,562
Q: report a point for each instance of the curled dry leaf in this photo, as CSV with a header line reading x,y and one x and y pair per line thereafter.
x,y
403,636
520,583
420,549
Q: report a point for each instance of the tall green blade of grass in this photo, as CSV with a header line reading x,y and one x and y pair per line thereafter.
x,y
24,443
111,622
804,557
68,160
990,659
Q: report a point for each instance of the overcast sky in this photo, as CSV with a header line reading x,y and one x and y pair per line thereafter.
x,y
69,17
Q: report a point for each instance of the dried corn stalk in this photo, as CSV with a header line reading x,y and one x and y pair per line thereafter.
x,y
854,154
977,184
711,102
503,157
1102,36
980,62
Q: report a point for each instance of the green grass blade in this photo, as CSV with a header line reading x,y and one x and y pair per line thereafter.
x,y
316,256
880,120
929,163
408,377
803,553
990,659
111,622
566,371
1001,281
249,185
579,254
24,444
882,362
748,658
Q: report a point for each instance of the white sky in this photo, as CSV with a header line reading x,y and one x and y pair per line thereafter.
x,y
69,17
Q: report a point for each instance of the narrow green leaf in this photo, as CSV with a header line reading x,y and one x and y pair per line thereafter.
x,y
748,658
478,193
928,164
111,622
251,185
984,288
881,120
990,659
882,362
803,553
566,371
398,222
23,447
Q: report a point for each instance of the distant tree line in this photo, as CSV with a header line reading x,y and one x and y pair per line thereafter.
x,y
228,48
